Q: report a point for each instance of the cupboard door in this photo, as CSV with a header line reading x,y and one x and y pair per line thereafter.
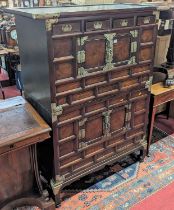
x,y
103,52
104,125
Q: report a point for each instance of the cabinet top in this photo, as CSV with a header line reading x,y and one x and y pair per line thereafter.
x,y
50,12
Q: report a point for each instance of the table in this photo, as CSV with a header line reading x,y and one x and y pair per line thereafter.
x,y
21,129
159,95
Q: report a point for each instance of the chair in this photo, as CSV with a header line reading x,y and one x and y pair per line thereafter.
x,y
1,89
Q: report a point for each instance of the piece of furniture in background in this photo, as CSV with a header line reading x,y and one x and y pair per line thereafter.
x,y
88,74
37,3
21,129
11,59
2,91
159,96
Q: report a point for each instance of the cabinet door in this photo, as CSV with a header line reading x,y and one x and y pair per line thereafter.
x,y
103,52
104,125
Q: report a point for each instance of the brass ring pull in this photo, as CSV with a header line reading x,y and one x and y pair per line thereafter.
x,y
124,23
146,20
66,28
98,25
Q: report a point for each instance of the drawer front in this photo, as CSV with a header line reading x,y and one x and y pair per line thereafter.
x,y
145,20
66,28
121,23
163,98
97,25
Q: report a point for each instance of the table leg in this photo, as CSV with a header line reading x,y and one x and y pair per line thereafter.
x,y
168,109
151,123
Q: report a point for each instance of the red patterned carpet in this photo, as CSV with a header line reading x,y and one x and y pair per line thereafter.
x,y
162,200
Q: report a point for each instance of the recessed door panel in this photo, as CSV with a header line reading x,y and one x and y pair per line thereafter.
x,y
95,54
103,52
122,49
117,120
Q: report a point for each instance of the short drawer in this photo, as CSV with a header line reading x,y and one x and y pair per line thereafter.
x,y
121,23
97,25
145,20
163,98
6,149
65,28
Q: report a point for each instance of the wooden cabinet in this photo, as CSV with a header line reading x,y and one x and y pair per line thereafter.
x,y
87,70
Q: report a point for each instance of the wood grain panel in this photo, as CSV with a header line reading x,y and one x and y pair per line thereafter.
x,y
65,45
122,49
95,53
147,35
146,54
119,123
94,128
66,131
63,70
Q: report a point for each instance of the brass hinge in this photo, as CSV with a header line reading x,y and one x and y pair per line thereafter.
x,y
132,60
49,23
134,33
82,122
107,123
109,51
148,83
134,46
56,111
81,41
128,116
82,133
82,72
128,106
83,145
81,56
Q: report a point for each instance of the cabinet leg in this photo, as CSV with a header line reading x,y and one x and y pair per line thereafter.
x,y
142,155
56,187
151,123
57,200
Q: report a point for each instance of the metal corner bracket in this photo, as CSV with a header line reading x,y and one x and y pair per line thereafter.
x,y
148,83
45,16
49,23
56,111
57,184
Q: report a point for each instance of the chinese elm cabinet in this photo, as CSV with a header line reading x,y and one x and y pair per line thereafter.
x,y
87,70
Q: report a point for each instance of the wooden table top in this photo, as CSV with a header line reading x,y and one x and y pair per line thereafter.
x,y
21,123
158,89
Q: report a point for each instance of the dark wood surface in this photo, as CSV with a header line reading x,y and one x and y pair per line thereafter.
x,y
89,77
46,12
21,127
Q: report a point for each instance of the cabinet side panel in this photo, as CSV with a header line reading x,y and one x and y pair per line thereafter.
x,y
34,62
